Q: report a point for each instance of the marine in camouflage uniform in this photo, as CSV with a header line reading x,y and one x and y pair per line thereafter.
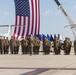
x,y
36,45
44,48
6,46
22,45
75,47
47,46
1,45
26,46
70,44
16,46
30,44
57,45
67,46
12,45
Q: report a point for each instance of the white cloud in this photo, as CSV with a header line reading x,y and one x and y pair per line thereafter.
x,y
47,13
58,12
7,13
74,6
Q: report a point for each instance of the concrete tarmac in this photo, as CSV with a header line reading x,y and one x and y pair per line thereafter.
x,y
38,64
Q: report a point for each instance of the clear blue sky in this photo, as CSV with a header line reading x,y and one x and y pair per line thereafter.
x,y
52,20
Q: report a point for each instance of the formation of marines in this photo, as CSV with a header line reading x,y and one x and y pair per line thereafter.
x,y
31,45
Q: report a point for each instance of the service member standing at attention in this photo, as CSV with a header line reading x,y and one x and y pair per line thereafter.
x,y
12,45
25,45
75,47
1,45
22,45
47,46
70,44
57,45
6,47
36,45
30,44
67,46
16,46
44,50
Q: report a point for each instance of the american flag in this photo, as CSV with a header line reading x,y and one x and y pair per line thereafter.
x,y
27,20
